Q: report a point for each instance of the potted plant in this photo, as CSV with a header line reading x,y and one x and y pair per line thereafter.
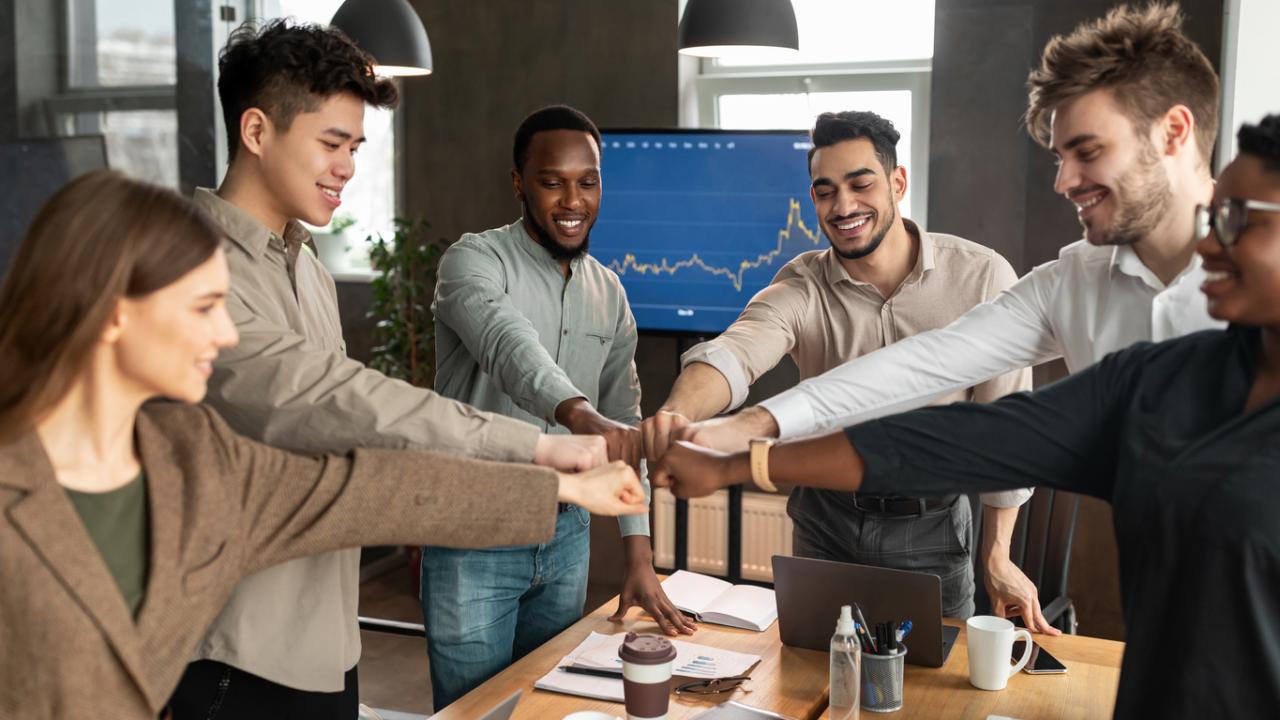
x,y
334,242
403,285
404,330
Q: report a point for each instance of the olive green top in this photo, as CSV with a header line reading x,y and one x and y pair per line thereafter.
x,y
117,523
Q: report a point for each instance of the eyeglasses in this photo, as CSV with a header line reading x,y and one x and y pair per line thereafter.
x,y
1228,218
712,686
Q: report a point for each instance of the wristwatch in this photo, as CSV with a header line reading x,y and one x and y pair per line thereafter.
x,y
760,463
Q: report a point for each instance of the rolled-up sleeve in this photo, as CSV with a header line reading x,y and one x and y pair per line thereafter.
x,y
758,339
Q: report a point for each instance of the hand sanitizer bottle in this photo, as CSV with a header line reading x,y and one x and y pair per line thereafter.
x,y
846,668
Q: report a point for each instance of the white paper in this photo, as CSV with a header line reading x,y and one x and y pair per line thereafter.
x,y
716,601
692,592
600,651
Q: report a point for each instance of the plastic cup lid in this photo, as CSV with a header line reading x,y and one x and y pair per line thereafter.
x,y
646,649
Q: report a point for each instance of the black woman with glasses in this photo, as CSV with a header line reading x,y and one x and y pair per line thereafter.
x,y
1181,437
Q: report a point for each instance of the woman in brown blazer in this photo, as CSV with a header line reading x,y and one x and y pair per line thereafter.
x,y
124,526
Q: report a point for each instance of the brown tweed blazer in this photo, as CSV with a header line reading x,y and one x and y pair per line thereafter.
x,y
221,507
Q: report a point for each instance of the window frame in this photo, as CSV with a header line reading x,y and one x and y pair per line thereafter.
x,y
714,81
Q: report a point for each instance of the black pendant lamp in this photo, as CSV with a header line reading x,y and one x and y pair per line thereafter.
x,y
720,28
390,31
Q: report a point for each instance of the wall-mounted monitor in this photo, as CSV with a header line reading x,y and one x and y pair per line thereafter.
x,y
696,222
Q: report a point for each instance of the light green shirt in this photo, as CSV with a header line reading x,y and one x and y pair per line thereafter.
x,y
515,337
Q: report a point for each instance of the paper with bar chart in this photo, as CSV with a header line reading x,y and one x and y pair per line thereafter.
x,y
695,224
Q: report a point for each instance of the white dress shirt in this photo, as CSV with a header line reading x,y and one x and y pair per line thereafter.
x,y
1089,302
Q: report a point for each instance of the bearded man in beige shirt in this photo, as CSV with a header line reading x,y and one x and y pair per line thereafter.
x,y
883,278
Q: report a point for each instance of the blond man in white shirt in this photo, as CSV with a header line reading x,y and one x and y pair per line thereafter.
x,y
1133,155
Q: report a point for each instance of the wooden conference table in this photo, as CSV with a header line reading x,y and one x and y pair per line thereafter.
x,y
1086,690
793,682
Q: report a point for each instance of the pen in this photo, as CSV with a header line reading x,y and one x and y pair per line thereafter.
x,y
906,630
864,636
598,672
866,628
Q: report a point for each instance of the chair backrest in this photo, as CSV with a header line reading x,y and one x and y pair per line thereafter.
x,y
1041,544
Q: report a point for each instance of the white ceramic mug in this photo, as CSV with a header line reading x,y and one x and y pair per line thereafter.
x,y
990,642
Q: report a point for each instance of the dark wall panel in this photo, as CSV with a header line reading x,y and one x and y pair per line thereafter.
x,y
497,61
991,183
976,163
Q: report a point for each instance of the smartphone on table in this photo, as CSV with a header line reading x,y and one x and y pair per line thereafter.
x,y
1041,662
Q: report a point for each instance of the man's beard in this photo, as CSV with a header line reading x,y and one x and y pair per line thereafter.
x,y
544,238
1141,196
875,239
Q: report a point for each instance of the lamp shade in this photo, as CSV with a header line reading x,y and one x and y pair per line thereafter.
x,y
390,31
716,28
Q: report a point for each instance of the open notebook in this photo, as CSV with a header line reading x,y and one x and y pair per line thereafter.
x,y
715,601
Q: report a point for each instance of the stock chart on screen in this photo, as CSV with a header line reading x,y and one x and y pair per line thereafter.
x,y
696,223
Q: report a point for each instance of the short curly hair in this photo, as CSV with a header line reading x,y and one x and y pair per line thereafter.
x,y
284,69
1262,141
835,127
1143,55
551,117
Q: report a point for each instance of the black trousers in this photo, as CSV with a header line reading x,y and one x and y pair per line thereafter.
x,y
212,690
829,527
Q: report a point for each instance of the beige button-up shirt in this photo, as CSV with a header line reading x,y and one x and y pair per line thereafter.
x,y
289,383
819,315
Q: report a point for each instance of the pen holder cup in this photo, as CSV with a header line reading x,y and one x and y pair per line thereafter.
x,y
882,680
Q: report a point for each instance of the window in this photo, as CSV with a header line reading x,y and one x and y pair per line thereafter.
x,y
118,81
369,199
853,56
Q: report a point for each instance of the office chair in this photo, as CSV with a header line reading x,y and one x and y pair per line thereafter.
x,y
1041,548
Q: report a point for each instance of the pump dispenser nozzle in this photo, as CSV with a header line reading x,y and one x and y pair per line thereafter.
x,y
845,625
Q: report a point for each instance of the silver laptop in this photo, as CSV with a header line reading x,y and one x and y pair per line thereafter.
x,y
505,708
810,593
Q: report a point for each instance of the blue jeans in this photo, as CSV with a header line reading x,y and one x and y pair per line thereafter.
x,y
484,609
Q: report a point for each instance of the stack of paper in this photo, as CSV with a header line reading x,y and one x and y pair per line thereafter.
x,y
600,652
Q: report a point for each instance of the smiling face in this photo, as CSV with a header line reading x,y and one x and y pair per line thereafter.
x,y
856,201
306,167
1242,283
559,187
164,343
1113,174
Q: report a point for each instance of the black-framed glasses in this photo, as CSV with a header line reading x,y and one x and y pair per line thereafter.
x,y
712,686
1228,218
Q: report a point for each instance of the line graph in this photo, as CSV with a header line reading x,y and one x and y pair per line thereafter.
x,y
695,224
734,275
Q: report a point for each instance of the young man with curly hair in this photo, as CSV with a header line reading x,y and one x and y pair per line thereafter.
x,y
293,98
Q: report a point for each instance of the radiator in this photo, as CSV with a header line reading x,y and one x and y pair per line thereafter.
x,y
766,531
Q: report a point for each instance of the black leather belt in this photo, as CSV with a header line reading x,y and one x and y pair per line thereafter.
x,y
901,505
564,507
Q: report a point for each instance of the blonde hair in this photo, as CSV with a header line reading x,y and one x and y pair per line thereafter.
x,y
1141,53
